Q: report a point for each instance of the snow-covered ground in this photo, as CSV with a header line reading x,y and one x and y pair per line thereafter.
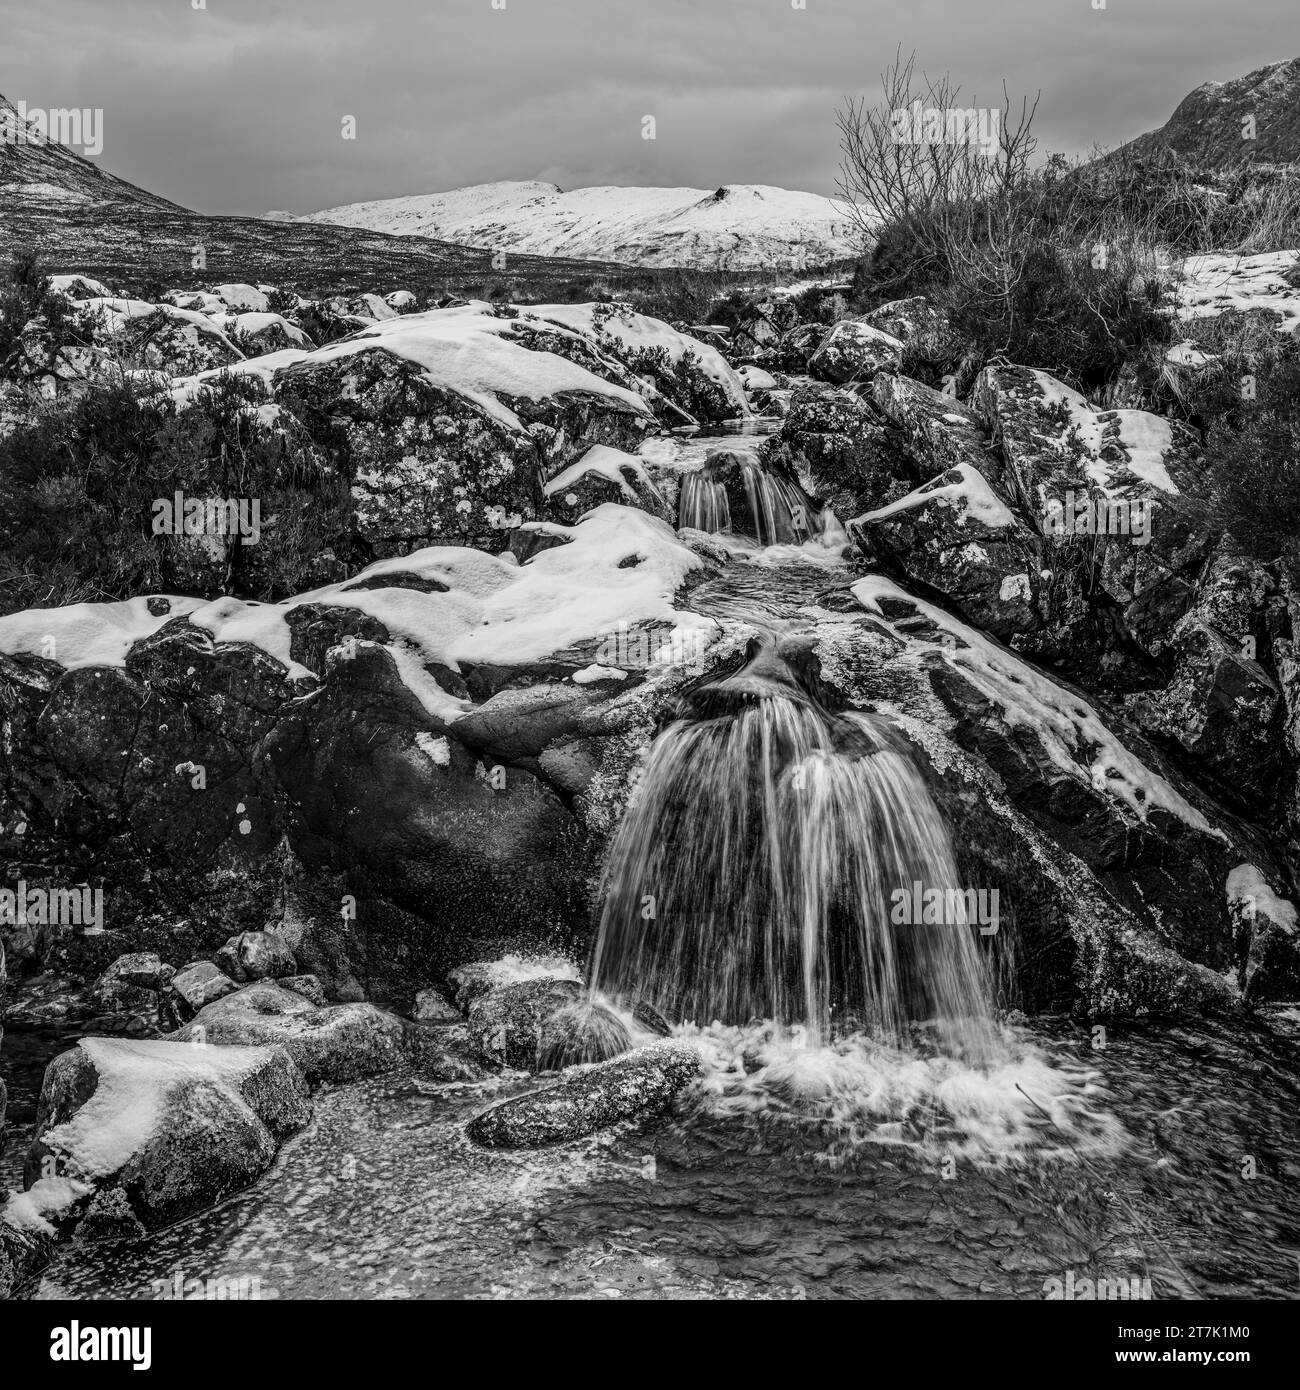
x,y
738,226
1215,284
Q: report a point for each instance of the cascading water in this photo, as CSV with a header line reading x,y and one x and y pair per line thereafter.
x,y
754,872
734,492
703,504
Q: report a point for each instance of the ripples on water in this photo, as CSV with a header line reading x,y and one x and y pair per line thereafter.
x,y
806,1175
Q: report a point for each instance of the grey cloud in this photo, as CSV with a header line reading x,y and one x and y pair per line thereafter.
x,y
237,107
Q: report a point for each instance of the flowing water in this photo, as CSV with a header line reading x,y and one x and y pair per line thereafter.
x,y
758,869
864,1128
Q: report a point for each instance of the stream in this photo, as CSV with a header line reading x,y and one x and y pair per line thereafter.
x,y
1150,1150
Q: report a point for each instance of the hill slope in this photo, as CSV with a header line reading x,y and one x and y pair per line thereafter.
x,y
736,227
81,219
1206,128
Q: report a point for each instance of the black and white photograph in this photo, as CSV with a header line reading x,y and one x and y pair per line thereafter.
x,y
649,652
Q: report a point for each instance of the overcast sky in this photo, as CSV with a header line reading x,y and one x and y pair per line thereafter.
x,y
237,107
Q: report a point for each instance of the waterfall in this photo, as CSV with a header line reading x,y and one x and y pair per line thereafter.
x,y
754,872
734,492
703,504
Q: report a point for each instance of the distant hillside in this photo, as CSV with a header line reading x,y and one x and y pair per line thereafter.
x,y
736,227
81,219
1207,126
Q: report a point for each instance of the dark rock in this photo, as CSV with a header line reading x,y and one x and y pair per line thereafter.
x,y
432,1007
24,1252
956,535
644,1082
308,986
508,1023
443,1053
651,1019
142,968
581,1032
257,955
342,1042
192,989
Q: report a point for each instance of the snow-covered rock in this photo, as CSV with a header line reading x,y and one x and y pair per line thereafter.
x,y
601,475
77,287
157,337
1268,934
132,1136
1051,435
447,418
957,535
258,334
683,368
756,379
248,298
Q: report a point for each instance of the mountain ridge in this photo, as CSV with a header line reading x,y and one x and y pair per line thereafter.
x,y
732,227
1207,126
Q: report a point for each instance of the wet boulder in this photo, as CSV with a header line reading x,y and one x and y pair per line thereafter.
x,y
431,1006
1077,779
308,986
580,1033
508,1023
936,429
476,978
850,456
24,1250
639,1084
192,989
443,1052
342,1042
257,955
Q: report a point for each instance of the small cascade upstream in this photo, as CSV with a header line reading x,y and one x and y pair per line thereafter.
x,y
754,874
734,492
704,504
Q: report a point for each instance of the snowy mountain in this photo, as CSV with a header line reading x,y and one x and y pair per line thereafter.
x,y
736,227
